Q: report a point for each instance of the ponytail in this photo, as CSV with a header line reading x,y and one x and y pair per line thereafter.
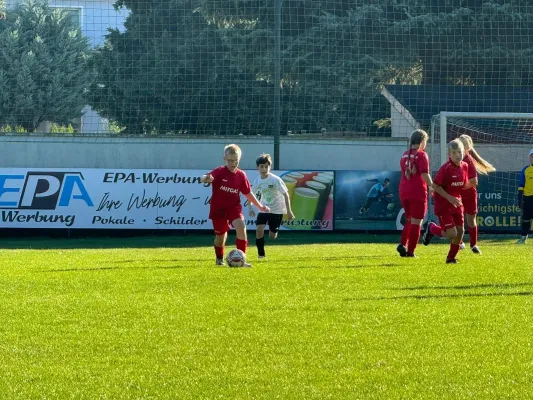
x,y
482,166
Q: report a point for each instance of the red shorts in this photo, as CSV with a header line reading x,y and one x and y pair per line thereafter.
x,y
449,221
414,208
469,199
223,225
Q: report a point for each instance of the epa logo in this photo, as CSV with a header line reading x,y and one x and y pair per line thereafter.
x,y
43,190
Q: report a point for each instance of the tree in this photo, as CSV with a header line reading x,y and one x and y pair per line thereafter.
x,y
43,67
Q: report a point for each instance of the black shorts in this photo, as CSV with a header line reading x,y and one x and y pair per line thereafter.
x,y
273,220
527,208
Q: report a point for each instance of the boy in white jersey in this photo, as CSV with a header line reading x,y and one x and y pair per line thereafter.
x,y
272,192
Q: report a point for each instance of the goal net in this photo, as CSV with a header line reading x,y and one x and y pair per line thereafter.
x,y
504,140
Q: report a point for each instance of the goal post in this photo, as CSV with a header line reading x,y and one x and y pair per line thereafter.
x,y
504,140
525,122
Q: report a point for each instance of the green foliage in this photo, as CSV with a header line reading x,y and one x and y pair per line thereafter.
x,y
55,128
15,129
43,66
207,66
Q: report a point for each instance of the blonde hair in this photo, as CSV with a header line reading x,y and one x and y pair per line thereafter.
x,y
456,144
232,149
482,166
417,138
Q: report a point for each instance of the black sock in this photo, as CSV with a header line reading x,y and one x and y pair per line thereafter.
x,y
525,227
260,243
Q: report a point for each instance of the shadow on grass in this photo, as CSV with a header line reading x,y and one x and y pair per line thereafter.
x,y
466,287
440,296
187,240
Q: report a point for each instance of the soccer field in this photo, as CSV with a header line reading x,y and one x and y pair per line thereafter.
x,y
337,316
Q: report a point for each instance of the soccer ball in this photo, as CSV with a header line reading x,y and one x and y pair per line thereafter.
x,y
236,258
390,206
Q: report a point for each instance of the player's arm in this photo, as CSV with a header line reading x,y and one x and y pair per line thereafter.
x,y
521,184
207,178
290,215
471,183
252,199
456,202
251,211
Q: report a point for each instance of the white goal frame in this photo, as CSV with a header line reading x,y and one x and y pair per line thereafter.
x,y
446,114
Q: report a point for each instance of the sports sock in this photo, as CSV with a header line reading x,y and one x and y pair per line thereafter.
x,y
219,251
414,235
473,236
241,244
405,234
454,249
260,243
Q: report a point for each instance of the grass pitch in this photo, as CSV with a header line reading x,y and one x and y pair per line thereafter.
x,y
329,316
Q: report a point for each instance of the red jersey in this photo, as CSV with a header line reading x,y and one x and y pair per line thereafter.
x,y
452,179
414,188
227,187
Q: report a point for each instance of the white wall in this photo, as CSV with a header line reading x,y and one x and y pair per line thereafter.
x,y
165,152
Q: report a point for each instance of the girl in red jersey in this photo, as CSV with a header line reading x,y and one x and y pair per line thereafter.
x,y
414,184
448,185
476,164
225,209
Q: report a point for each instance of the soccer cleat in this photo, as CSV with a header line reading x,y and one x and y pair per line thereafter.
x,y
462,246
451,261
220,261
247,265
522,240
427,234
262,258
475,250
411,255
402,250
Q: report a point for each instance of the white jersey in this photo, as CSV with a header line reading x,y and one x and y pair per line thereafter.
x,y
269,191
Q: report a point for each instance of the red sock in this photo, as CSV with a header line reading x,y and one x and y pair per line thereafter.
x,y
435,229
241,244
454,249
219,251
405,233
473,236
414,235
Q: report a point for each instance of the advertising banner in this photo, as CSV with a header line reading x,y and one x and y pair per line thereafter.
x,y
367,200
141,199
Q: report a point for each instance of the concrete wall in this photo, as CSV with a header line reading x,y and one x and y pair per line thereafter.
x,y
147,152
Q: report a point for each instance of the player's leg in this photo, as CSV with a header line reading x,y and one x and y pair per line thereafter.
x,y
456,235
432,230
404,238
471,222
470,206
240,231
221,229
261,221
274,222
527,216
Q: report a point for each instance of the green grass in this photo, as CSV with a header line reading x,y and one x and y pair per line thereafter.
x,y
327,317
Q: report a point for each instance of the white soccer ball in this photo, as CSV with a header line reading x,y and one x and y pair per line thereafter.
x,y
236,258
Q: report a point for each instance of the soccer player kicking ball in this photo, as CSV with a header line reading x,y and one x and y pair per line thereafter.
x,y
413,190
271,190
476,164
525,198
448,185
225,210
